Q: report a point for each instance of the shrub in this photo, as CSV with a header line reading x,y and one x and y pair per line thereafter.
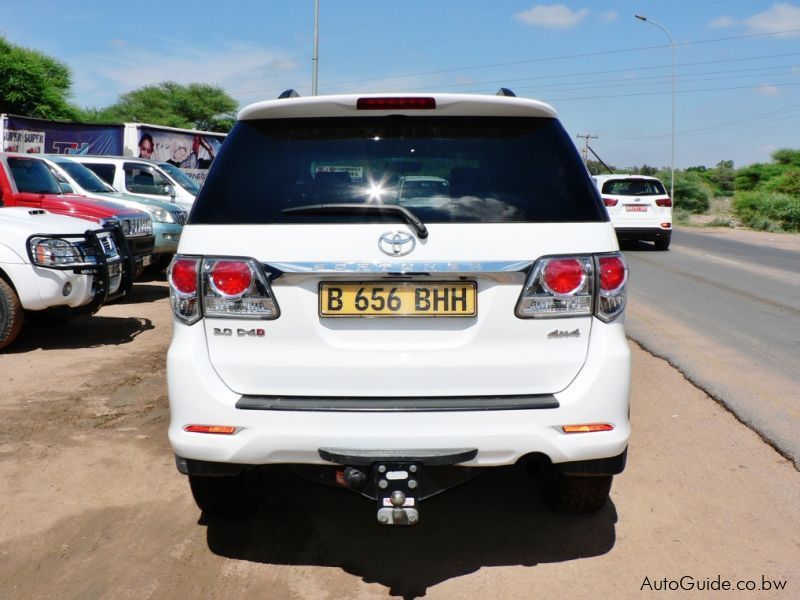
x,y
788,183
691,192
768,211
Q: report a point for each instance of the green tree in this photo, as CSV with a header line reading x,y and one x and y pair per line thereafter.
x,y
33,84
787,156
194,106
723,177
691,192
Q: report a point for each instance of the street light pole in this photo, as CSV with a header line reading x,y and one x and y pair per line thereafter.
x,y
672,152
315,59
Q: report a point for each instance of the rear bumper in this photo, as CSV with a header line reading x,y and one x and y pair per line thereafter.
x,y
651,233
599,394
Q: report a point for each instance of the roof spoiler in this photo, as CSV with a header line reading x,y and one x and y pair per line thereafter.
x,y
290,93
506,92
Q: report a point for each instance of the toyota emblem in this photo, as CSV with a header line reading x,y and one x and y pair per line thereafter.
x,y
396,243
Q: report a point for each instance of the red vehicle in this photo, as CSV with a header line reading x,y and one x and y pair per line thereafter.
x,y
26,181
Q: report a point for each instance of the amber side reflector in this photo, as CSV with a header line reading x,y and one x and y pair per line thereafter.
x,y
587,428
219,429
395,103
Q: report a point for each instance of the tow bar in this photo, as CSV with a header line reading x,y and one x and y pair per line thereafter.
x,y
399,479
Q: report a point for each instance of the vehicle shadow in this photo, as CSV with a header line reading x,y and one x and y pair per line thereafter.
x,y
637,246
82,332
494,520
144,292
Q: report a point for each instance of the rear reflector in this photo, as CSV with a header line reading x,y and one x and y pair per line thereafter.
x,y
395,103
666,225
592,427
218,429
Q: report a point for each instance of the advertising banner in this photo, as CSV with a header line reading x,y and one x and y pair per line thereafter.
x,y
189,151
53,137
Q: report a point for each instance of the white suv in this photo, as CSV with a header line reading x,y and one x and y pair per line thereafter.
x,y
639,207
396,350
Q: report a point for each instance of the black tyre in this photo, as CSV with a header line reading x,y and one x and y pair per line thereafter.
x,y
224,495
662,243
576,493
11,314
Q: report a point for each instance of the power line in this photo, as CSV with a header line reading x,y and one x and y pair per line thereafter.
x,y
556,58
690,91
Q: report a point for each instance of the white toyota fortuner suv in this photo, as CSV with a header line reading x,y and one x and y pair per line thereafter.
x,y
393,349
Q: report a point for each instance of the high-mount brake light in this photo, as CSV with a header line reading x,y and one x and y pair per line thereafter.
x,y
610,201
664,202
396,103
231,278
563,277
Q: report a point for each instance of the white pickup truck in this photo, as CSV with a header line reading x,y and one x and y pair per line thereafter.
x,y
52,264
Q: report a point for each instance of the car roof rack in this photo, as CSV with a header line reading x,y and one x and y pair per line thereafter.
x,y
505,92
290,93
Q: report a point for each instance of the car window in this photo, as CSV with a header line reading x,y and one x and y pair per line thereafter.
x,y
478,169
182,178
633,187
85,177
32,176
103,171
144,180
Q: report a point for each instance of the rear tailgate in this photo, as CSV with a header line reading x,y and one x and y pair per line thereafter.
x,y
305,354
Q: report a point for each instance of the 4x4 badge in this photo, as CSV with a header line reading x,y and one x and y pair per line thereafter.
x,y
396,243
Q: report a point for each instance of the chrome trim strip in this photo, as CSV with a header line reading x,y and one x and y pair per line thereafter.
x,y
398,268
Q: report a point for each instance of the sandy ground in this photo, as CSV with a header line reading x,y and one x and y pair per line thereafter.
x,y
92,506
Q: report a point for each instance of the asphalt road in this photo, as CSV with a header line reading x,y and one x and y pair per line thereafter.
x,y
725,310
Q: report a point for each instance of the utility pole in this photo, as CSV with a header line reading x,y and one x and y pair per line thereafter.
x,y
315,59
585,151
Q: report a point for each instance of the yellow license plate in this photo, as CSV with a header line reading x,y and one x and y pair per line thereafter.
x,y
399,299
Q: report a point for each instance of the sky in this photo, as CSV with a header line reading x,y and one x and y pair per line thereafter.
x,y
737,74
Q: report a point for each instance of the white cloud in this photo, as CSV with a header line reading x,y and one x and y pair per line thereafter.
x,y
723,22
247,72
118,43
767,90
609,17
553,16
778,18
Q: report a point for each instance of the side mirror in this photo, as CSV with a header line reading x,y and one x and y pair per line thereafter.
x,y
170,190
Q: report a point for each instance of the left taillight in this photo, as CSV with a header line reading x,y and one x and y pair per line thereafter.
x,y
183,278
220,287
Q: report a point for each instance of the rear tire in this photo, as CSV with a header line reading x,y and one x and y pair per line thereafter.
x,y
576,493
11,314
663,242
223,495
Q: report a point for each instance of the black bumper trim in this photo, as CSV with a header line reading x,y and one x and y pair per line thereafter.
x,y
429,457
397,404
190,466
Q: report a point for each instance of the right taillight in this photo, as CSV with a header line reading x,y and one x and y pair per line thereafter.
x,y
612,276
664,202
610,201
219,287
575,286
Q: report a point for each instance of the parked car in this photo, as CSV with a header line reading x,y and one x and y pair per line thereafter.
x,y
420,190
181,178
168,218
389,350
57,265
137,176
26,181
639,207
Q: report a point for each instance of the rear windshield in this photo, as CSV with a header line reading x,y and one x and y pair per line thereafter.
x,y
443,169
634,187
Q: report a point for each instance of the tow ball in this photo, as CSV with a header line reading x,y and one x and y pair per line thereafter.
x,y
400,479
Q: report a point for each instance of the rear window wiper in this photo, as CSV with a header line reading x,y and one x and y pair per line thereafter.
x,y
349,208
